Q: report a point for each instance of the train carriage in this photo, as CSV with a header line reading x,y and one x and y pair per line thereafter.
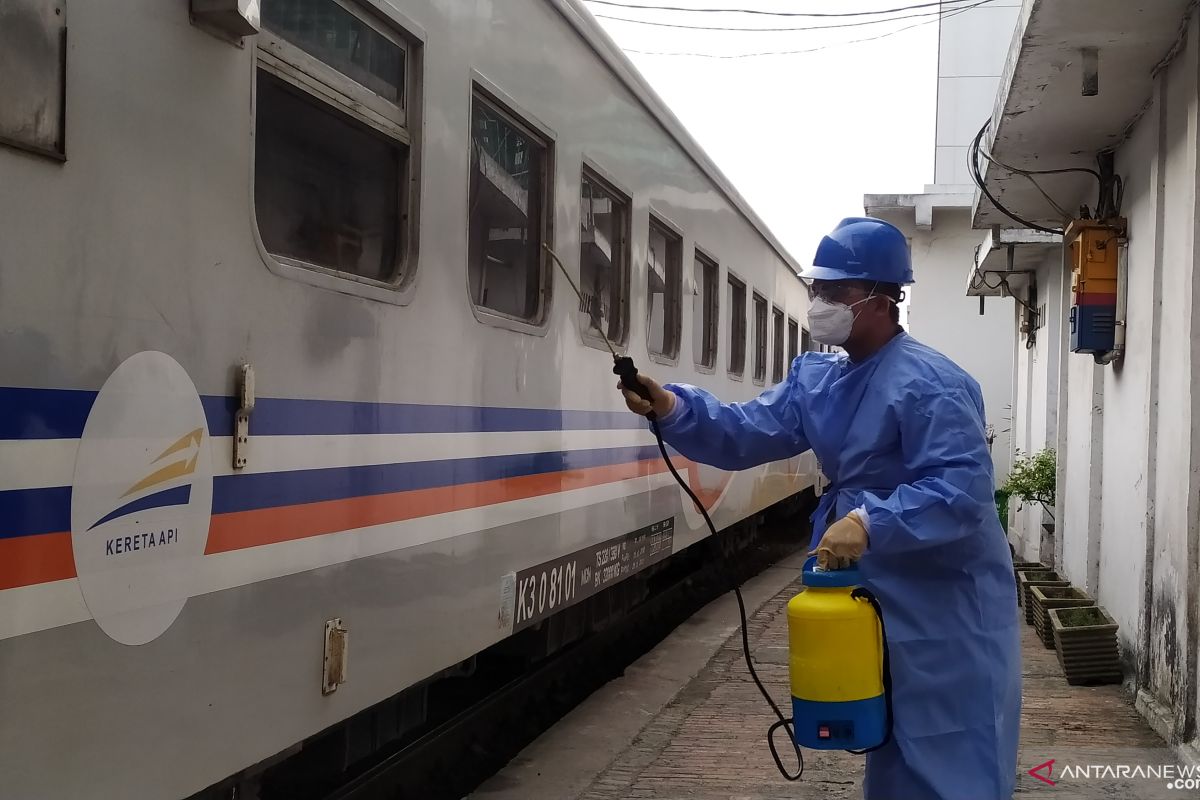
x,y
295,412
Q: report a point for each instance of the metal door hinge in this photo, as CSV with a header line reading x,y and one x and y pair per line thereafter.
x,y
241,427
337,639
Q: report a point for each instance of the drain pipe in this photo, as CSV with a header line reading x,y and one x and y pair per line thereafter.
x,y
1119,316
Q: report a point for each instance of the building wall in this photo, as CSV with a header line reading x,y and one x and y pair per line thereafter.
x,y
1082,458
1128,400
1035,402
1174,515
972,46
1128,515
939,312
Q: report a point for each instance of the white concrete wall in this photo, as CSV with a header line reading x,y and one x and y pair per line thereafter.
x,y
1128,435
1130,418
940,314
972,47
1174,515
1081,470
1035,402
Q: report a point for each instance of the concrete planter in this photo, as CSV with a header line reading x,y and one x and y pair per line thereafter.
x,y
1085,640
1030,579
1025,566
1044,598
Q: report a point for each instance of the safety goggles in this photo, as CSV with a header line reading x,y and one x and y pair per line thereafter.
x,y
835,291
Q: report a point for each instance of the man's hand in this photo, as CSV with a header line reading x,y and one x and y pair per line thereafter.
x,y
843,543
663,404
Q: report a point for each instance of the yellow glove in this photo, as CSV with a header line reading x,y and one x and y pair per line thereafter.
x,y
843,543
664,401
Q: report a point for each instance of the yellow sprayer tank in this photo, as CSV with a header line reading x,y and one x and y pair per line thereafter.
x,y
836,663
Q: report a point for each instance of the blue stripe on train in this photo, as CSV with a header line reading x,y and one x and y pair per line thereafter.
x,y
25,512
61,414
286,417
270,490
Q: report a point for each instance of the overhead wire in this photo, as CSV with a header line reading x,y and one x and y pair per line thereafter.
x,y
777,13
752,29
973,155
687,54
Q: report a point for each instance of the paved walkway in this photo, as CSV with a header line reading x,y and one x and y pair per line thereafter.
x,y
686,723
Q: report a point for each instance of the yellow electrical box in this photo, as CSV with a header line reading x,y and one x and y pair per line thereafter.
x,y
1094,246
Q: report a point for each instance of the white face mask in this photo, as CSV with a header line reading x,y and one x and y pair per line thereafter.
x,y
831,323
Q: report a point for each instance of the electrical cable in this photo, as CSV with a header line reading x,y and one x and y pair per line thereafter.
x,y
778,13
742,29
977,177
687,54
780,720
1029,173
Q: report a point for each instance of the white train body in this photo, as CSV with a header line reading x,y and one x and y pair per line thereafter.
x,y
411,453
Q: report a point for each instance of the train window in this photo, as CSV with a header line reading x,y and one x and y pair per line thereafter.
x,y
33,60
603,259
793,341
663,286
760,337
776,345
704,311
507,221
329,32
332,146
737,326
325,187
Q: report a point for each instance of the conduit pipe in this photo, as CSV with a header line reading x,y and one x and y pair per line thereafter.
x,y
1119,314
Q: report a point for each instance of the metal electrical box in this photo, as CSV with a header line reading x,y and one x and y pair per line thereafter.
x,y
1094,250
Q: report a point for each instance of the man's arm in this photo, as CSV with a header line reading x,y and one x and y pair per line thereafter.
x,y
942,441
734,436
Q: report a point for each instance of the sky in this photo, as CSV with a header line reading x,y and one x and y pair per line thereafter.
x,y
801,136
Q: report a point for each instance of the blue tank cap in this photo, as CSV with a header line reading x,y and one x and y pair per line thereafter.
x,y
829,579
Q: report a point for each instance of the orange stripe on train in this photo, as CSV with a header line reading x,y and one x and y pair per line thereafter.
x,y
30,560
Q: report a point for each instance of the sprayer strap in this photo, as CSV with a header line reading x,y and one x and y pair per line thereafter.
x,y
866,594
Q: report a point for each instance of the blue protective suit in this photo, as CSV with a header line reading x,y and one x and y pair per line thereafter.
x,y
902,434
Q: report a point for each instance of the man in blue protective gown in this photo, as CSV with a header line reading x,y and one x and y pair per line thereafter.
x,y
899,431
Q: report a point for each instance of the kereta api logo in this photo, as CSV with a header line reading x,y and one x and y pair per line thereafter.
x,y
141,499
1043,772
189,447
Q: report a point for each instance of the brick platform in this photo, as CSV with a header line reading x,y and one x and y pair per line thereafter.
x,y
706,740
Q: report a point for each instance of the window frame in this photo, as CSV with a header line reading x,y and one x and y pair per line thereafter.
x,y
793,324
600,176
334,90
737,331
337,88
57,151
759,376
778,344
712,328
673,335
520,117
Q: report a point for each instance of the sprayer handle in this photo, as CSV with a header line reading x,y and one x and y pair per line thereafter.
x,y
627,370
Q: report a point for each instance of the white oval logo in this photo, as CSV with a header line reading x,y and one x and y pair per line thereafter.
x,y
141,498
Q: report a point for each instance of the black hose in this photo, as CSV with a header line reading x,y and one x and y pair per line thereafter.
x,y
862,593
781,720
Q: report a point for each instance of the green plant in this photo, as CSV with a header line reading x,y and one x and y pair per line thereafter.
x,y
1032,479
1002,496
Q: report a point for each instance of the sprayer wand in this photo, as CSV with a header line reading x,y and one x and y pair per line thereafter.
x,y
624,367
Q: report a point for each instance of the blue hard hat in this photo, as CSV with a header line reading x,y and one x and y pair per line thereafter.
x,y
863,249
